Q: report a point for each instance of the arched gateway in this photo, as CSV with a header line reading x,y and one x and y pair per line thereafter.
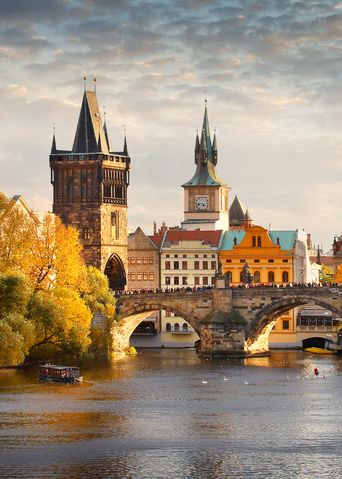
x,y
115,272
230,322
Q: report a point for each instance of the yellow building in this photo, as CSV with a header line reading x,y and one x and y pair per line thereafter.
x,y
276,258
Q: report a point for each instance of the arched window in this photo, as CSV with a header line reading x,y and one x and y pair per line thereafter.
x,y
259,241
176,327
256,277
285,277
168,327
253,240
271,277
185,327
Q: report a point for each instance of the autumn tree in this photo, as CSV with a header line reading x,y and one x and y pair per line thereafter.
x,y
338,275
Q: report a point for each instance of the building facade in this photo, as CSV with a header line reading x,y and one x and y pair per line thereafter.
x,y
90,192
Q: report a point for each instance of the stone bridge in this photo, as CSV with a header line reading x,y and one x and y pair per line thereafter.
x,y
231,322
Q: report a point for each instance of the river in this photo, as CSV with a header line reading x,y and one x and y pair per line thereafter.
x,y
169,414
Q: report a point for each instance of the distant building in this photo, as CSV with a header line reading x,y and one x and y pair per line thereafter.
x,y
90,184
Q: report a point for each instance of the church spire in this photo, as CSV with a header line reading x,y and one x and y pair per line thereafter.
x,y
89,127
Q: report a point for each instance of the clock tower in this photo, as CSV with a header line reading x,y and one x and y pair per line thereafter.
x,y
206,195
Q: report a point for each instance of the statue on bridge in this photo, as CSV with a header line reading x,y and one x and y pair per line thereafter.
x,y
246,275
222,280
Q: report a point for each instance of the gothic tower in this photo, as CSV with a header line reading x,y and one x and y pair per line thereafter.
x,y
206,195
90,192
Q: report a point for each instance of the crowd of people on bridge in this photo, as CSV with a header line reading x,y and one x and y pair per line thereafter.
x,y
232,286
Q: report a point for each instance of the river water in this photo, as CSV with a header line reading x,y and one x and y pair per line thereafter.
x,y
169,414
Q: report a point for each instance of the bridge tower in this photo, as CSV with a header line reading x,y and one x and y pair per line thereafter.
x,y
206,195
90,192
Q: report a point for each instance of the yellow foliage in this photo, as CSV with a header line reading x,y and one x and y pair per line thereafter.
x,y
338,276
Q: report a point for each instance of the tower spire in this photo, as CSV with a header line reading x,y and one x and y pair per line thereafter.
x,y
53,146
125,149
197,148
214,147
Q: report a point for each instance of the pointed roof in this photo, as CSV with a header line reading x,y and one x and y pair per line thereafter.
x,y
236,213
106,134
204,158
248,216
318,261
53,146
89,133
214,143
125,150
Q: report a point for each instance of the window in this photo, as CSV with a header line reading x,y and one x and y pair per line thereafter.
x,y
132,260
205,280
213,256
86,233
253,240
271,260
213,265
278,241
185,326
204,256
257,261
285,277
167,264
256,277
176,265
228,260
176,255
138,260
235,240
132,276
259,241
285,260
114,222
168,256
167,280
196,255
168,327
184,265
196,280
184,255
205,264
213,281
196,265
176,280
150,261
286,324
270,277
184,280
145,276
151,275
176,327
242,261
145,261
139,276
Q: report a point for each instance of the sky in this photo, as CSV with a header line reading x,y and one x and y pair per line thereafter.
x,y
270,70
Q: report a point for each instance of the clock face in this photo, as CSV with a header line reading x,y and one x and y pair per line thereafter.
x,y
202,202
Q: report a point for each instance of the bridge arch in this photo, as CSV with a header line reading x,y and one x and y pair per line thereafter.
x,y
143,310
259,329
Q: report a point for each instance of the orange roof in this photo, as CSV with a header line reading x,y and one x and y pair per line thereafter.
x,y
157,238
207,237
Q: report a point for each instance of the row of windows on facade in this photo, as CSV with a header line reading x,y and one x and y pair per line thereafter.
x,y
256,241
270,276
184,265
183,280
168,327
142,276
186,256
115,175
114,227
256,260
139,260
111,191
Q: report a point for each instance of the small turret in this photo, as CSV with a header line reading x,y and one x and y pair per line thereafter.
x,y
125,149
247,222
197,149
203,152
53,146
214,148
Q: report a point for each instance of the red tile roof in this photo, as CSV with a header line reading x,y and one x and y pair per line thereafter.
x,y
207,237
157,239
325,260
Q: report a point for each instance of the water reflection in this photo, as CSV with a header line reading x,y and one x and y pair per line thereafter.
x,y
170,414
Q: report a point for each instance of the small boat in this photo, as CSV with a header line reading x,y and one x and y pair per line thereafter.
x,y
62,374
319,351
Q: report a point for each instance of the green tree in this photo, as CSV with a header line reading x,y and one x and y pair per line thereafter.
x,y
12,346
14,294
